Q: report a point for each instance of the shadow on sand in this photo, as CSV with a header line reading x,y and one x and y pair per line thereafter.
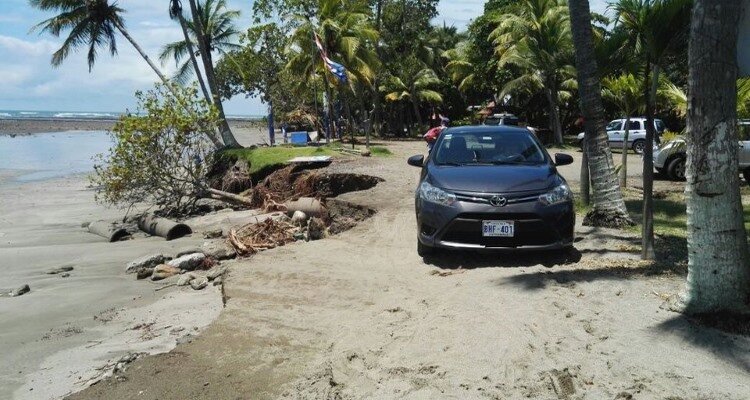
x,y
707,332
502,258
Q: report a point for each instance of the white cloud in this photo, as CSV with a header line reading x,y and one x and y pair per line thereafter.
x,y
27,48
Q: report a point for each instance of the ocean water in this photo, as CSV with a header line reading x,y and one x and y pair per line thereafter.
x,y
52,155
19,114
87,115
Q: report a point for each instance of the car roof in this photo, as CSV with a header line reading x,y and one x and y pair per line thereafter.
x,y
487,129
635,119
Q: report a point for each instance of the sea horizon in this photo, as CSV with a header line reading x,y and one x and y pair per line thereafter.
x,y
45,115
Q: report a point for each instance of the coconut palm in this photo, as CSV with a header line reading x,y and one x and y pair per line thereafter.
x,y
175,12
718,268
93,24
458,66
656,29
220,32
608,204
678,100
348,38
624,92
415,88
209,18
536,38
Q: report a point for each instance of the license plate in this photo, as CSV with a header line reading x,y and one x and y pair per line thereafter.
x,y
498,228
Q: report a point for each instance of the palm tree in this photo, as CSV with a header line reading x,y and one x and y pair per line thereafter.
x,y
458,66
678,100
92,23
347,37
718,268
624,92
415,88
210,20
608,205
175,12
536,38
656,28
221,35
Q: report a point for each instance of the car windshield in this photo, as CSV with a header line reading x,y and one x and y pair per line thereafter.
x,y
489,148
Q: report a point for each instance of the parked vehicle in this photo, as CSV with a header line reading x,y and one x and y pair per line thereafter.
x,y
485,187
670,158
636,136
501,119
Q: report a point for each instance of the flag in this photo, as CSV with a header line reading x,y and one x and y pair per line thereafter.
x,y
334,68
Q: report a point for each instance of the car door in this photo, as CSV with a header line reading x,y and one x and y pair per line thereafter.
x,y
615,132
635,131
743,131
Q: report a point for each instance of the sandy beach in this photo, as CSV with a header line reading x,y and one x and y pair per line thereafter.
x,y
68,332
361,316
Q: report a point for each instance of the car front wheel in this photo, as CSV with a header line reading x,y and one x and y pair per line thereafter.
x,y
676,169
424,250
638,146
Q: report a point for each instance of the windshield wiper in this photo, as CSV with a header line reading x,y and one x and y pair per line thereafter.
x,y
450,163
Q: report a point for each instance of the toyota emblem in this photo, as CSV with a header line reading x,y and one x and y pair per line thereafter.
x,y
498,201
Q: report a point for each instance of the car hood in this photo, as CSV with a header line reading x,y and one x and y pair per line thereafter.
x,y
494,178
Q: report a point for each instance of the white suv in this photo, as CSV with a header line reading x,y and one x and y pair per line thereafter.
x,y
636,136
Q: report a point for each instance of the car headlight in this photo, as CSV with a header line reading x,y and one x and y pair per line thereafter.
x,y
432,194
558,195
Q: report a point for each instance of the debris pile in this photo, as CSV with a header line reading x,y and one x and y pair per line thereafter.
x,y
193,268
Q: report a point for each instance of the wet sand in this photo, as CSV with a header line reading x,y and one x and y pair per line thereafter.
x,y
55,339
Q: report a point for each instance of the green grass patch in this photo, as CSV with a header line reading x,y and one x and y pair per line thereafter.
x,y
379,151
266,157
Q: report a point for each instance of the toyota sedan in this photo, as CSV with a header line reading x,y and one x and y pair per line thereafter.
x,y
492,187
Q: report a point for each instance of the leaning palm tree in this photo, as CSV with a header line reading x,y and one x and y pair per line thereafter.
x,y
92,23
656,29
220,32
175,12
209,18
608,204
536,38
624,92
416,89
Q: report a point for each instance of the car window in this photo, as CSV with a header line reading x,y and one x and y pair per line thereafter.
x,y
488,148
660,125
614,125
492,121
743,131
634,125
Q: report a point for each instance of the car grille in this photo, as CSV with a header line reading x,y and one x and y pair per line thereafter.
x,y
530,230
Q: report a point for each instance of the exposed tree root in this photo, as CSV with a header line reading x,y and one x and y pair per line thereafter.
x,y
607,219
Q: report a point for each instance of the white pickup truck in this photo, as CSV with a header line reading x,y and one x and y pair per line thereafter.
x,y
636,136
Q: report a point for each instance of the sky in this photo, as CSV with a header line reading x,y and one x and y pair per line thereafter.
x,y
29,82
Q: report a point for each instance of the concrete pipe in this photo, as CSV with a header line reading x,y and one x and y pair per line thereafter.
x,y
163,227
108,230
308,205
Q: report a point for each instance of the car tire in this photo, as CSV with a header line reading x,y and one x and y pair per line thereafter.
x,y
423,250
676,169
746,175
638,146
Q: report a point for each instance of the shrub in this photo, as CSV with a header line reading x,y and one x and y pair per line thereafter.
x,y
161,155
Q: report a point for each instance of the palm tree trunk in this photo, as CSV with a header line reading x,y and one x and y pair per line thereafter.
x,y
554,113
377,112
208,66
647,229
718,270
609,206
193,59
415,104
585,178
624,165
163,78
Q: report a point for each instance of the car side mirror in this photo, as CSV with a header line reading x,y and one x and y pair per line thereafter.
x,y
563,159
416,161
